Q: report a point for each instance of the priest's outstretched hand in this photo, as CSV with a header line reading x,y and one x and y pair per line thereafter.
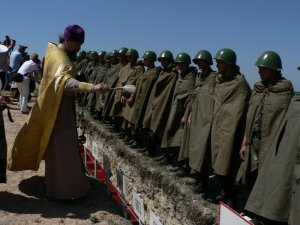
x,y
101,88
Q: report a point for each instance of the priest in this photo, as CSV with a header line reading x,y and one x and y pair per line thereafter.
x,y
50,131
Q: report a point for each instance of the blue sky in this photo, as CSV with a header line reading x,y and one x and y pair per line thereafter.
x,y
248,27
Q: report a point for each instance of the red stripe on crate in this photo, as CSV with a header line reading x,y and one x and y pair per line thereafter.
x,y
116,195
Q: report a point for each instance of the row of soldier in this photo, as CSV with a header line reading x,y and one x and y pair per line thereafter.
x,y
206,124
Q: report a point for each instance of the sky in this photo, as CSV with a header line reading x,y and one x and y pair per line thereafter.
x,y
248,27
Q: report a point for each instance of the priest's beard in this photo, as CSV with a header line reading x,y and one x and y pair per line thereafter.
x,y
72,56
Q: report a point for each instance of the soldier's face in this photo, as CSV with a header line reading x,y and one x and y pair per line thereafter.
x,y
181,67
131,59
164,63
114,60
101,58
267,74
222,67
147,63
202,64
123,59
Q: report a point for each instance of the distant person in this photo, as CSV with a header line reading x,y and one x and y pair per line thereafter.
x,y
50,132
4,63
10,43
25,72
17,58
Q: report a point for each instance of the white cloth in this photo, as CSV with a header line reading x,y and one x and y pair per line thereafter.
x,y
23,88
28,67
3,48
14,85
4,58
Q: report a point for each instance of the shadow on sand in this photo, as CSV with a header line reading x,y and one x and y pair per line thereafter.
x,y
36,203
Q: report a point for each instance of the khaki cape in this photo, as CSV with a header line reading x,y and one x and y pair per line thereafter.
x,y
134,74
231,100
272,102
158,108
117,106
197,134
112,79
173,134
273,190
92,98
143,89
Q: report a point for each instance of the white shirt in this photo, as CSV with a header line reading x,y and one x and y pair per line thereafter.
x,y
28,67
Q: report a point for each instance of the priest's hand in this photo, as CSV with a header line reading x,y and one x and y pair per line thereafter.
x,y
101,88
4,100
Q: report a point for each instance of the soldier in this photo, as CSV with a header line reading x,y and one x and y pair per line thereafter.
x,y
118,101
81,63
173,133
99,74
294,215
143,89
268,105
231,97
90,76
134,73
112,78
159,104
93,61
110,63
271,145
81,66
196,149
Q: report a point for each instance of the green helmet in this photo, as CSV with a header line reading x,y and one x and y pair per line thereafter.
x,y
93,55
122,51
167,55
82,54
109,55
227,55
132,52
183,58
115,52
203,55
102,53
270,60
150,55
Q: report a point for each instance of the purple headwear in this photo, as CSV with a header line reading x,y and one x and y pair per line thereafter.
x,y
74,33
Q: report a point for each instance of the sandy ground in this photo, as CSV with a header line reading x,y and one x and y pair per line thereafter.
x,y
22,199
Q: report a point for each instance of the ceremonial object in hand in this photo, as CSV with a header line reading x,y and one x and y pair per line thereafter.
x,y
102,88
127,88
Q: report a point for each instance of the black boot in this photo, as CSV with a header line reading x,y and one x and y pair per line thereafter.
x,y
217,189
2,170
